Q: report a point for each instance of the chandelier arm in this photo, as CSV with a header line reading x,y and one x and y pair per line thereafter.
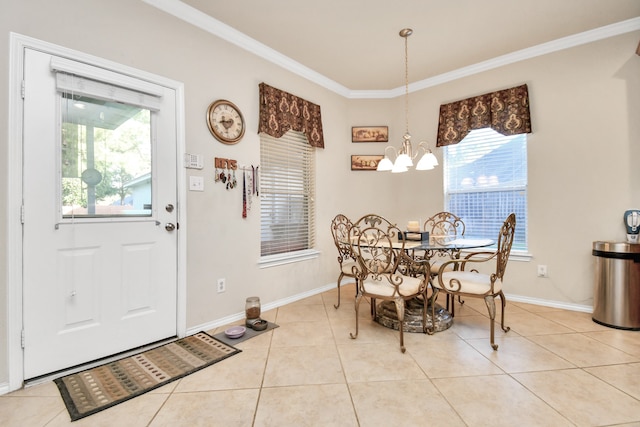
x,y
422,146
395,152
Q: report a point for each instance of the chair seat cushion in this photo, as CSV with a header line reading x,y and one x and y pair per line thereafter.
x,y
410,286
470,282
435,266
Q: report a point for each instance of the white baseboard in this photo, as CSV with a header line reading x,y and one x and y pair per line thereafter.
x,y
547,303
265,307
279,303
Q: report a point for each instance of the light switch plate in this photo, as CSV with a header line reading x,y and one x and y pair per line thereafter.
x,y
196,183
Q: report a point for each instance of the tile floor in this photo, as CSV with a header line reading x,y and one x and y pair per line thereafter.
x,y
554,368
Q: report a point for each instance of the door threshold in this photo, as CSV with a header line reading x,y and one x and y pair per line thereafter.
x,y
92,364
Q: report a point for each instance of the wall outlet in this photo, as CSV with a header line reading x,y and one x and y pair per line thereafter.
x,y
222,285
542,271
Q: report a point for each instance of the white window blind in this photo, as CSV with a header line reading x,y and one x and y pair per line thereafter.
x,y
485,179
287,194
80,86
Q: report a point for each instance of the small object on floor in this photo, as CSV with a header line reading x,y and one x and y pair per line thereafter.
x,y
235,331
250,322
250,333
260,325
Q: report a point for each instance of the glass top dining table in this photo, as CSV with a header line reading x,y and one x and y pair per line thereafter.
x,y
444,244
441,246
427,249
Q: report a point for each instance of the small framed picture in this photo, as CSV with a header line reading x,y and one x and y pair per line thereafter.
x,y
370,134
365,162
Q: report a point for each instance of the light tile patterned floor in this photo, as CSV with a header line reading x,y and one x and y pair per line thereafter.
x,y
554,368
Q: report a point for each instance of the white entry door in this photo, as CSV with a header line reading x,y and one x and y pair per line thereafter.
x,y
99,213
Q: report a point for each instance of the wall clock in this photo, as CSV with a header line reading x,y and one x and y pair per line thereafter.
x,y
225,121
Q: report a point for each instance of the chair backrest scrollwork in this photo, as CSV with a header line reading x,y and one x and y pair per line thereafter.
x,y
375,244
340,229
505,241
444,225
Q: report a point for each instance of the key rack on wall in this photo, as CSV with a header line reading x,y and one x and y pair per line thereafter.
x,y
221,163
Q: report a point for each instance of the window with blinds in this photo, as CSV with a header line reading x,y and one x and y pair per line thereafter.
x,y
287,194
485,179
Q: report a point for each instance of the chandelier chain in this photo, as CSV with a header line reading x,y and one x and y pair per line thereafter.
x,y
406,83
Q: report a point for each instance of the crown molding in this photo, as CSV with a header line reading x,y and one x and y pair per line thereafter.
x,y
211,25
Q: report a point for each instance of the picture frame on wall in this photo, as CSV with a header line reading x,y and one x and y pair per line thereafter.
x,y
370,134
365,162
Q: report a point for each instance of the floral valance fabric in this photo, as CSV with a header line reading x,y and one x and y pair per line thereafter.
x,y
281,111
505,111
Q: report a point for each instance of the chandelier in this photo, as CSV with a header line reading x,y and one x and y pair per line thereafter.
x,y
404,155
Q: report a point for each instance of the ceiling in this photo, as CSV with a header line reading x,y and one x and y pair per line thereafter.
x,y
355,43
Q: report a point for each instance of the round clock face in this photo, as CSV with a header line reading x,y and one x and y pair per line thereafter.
x,y
91,176
225,121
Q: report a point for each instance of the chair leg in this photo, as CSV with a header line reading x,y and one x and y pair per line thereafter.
x,y
357,306
400,310
339,280
489,300
453,304
425,303
432,304
504,303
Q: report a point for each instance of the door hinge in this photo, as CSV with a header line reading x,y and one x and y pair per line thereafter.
x,y
22,89
22,214
22,338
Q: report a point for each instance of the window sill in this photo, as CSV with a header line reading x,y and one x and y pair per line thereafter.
x,y
287,258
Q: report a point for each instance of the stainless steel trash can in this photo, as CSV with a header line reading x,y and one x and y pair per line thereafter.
x,y
616,298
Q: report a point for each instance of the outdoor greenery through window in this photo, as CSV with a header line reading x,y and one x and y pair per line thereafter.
x,y
485,179
106,158
287,194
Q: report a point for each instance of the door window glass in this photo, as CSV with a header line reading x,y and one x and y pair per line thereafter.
x,y
105,158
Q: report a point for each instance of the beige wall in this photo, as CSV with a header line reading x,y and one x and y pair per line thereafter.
x,y
585,106
581,154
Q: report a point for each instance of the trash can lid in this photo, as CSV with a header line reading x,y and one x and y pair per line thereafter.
x,y
617,247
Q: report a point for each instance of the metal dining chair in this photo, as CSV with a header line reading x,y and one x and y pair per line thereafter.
x,y
467,281
444,227
340,227
379,254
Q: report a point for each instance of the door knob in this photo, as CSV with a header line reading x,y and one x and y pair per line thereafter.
x,y
169,227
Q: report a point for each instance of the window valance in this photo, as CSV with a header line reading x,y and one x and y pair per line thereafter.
x,y
505,111
281,111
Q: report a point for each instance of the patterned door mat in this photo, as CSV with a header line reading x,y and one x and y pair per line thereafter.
x,y
99,388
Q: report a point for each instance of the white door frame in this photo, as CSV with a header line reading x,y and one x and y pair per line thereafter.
x,y
18,43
